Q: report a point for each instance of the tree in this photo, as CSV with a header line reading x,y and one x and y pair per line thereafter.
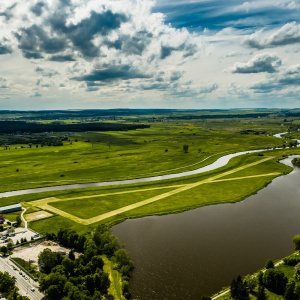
x,y
290,291
251,282
261,295
239,290
71,255
296,241
10,244
4,250
48,260
275,281
269,264
297,271
122,258
7,282
19,221
206,298
185,148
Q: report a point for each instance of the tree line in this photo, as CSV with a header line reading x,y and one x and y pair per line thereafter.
x,y
33,127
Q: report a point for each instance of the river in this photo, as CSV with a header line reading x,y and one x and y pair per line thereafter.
x,y
220,162
195,253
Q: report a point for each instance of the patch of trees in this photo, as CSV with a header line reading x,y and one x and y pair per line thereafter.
x,y
32,127
292,260
255,132
8,287
219,116
82,278
34,140
296,162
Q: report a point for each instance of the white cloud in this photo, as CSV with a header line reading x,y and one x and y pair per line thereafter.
x,y
266,62
286,35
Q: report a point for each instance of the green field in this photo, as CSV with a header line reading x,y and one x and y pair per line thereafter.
x,y
88,203
106,156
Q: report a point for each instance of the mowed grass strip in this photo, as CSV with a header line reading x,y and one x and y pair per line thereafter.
x,y
84,207
209,193
87,208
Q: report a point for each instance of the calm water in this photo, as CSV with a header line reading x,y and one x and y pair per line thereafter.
x,y
195,253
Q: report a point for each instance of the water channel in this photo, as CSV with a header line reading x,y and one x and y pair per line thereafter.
x,y
195,253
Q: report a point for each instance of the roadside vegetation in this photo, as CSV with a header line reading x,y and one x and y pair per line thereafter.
x,y
8,287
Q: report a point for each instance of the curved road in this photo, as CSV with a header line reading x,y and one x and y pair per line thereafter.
x,y
220,162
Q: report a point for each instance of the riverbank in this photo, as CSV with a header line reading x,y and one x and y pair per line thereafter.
x,y
216,242
283,265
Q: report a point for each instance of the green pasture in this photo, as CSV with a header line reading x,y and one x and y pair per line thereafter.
x,y
220,191
88,208
108,156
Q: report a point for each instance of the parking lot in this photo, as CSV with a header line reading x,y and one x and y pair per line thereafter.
x,y
18,235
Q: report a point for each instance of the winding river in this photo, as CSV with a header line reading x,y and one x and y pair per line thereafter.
x,y
220,162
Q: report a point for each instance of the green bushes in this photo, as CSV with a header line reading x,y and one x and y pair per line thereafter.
x,y
84,277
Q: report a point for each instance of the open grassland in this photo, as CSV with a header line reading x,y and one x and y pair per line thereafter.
x,y
109,156
86,208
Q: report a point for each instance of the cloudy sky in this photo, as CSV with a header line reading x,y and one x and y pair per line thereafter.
x,y
68,54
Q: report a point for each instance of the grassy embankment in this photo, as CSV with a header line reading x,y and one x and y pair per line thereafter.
x,y
115,278
30,268
131,154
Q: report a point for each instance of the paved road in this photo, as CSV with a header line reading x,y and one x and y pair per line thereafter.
x,y
23,285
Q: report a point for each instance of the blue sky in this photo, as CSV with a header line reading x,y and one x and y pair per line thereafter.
x,y
68,54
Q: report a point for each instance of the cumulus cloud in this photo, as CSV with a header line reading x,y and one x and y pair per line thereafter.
x,y
5,49
111,73
290,78
96,43
209,89
286,35
266,62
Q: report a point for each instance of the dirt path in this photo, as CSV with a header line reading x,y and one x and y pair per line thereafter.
x,y
44,203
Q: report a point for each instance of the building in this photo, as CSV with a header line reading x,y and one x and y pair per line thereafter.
x,y
10,208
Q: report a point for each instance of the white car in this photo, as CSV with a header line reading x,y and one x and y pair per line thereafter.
x,y
32,289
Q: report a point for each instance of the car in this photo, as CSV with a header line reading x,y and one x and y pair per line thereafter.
x,y
20,273
14,268
26,277
32,289
23,275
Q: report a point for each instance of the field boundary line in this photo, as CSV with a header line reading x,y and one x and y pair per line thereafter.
x,y
245,177
44,203
124,192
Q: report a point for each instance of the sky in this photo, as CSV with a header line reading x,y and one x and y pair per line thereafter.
x,y
200,54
